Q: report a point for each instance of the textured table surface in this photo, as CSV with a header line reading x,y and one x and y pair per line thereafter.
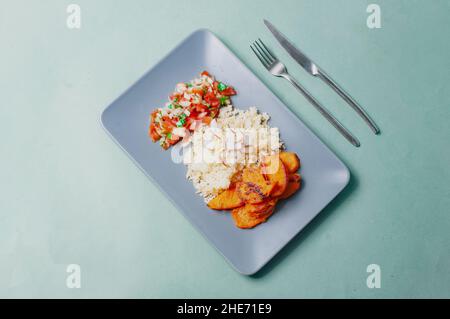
x,y
70,195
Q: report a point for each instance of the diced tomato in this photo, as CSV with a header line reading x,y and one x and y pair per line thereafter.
x,y
189,120
193,113
199,108
153,115
152,132
211,99
200,92
167,124
205,73
215,102
152,129
155,136
207,120
175,96
208,96
229,91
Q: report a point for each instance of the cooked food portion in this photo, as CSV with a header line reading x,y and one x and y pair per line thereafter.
x,y
275,172
191,104
260,188
234,159
226,200
210,178
290,161
254,188
251,215
292,186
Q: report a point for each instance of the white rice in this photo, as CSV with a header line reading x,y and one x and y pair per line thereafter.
x,y
211,178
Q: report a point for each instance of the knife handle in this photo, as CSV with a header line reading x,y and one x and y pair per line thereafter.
x,y
323,111
350,101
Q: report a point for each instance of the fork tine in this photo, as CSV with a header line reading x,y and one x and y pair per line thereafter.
x,y
271,55
264,63
262,54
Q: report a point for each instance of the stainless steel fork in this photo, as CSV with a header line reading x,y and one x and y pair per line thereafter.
x,y
274,66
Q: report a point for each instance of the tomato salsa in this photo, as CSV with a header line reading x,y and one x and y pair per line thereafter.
x,y
190,105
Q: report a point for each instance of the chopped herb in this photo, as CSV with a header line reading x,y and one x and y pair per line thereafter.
x,y
189,85
169,135
170,106
223,100
221,87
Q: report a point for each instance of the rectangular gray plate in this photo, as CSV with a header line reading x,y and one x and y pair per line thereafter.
x,y
127,119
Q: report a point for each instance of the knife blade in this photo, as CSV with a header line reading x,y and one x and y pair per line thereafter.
x,y
295,53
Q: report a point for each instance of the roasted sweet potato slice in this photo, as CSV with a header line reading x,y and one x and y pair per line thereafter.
x,y
252,174
294,184
236,178
291,161
294,177
244,218
254,193
274,171
228,199
291,189
253,188
261,208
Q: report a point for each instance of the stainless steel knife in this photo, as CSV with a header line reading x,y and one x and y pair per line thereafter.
x,y
314,70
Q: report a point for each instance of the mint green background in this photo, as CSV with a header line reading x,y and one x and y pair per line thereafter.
x,y
69,194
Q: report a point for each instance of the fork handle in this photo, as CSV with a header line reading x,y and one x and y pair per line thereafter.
x,y
323,111
350,101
